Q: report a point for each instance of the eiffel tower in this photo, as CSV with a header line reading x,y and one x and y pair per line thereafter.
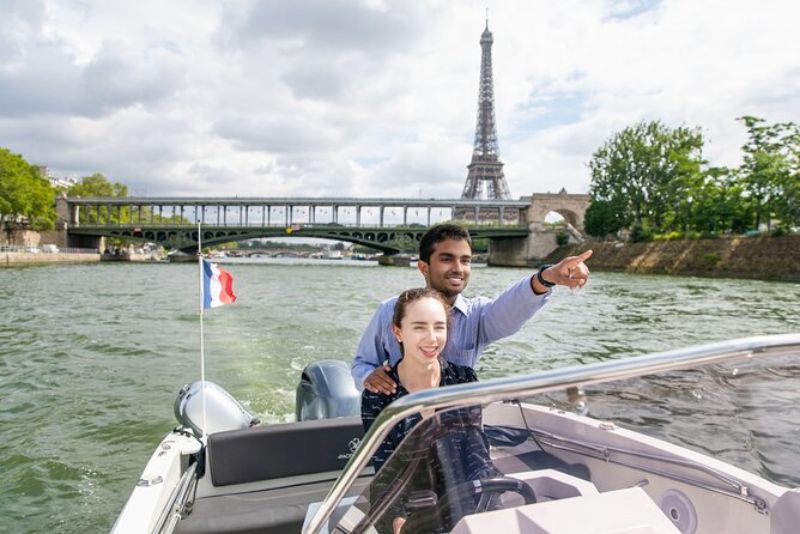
x,y
485,179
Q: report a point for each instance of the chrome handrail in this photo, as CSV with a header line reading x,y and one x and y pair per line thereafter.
x,y
534,384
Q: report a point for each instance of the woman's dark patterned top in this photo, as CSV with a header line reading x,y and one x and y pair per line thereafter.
x,y
463,424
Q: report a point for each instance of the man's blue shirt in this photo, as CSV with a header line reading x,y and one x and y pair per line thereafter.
x,y
474,324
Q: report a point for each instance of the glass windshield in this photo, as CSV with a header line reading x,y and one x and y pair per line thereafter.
x,y
428,482
471,460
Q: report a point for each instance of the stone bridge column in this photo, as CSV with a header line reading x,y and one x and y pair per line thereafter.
x,y
65,215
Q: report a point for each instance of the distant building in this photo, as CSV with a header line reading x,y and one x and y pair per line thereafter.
x,y
59,182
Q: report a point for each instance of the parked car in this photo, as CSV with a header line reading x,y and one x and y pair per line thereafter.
x,y
51,249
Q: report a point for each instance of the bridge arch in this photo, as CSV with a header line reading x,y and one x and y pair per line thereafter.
x,y
571,207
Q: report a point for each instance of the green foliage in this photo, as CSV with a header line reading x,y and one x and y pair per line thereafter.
x,y
603,218
479,245
26,197
770,173
97,185
562,238
405,242
641,231
669,236
711,258
779,231
644,170
652,179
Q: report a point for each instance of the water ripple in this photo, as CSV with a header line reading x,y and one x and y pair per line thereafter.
x,y
91,358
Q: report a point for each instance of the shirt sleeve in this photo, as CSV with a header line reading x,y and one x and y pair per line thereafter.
x,y
505,315
371,352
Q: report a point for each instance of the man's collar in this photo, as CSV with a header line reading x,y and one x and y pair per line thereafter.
x,y
460,304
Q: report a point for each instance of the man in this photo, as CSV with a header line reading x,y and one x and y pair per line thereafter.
x,y
445,254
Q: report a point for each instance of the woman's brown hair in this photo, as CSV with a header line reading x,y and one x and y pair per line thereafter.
x,y
412,295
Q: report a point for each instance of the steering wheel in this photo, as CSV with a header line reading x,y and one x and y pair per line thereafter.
x,y
466,492
494,486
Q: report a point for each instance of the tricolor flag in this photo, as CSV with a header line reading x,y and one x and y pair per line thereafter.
x,y
217,286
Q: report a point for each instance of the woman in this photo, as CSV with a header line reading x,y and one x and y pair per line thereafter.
x,y
419,323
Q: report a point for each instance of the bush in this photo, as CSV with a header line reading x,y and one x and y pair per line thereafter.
x,y
669,236
779,231
641,232
562,238
711,258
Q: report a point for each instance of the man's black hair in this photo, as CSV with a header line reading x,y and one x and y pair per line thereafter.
x,y
437,234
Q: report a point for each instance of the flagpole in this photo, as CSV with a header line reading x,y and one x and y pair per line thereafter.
x,y
202,339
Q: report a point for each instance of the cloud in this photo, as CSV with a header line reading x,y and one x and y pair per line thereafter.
x,y
43,77
376,97
342,25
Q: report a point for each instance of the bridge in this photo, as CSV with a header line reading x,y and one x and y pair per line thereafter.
x,y
513,226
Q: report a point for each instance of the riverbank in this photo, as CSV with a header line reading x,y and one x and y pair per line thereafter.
x,y
758,258
20,259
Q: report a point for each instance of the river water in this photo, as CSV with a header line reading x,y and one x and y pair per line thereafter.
x,y
92,356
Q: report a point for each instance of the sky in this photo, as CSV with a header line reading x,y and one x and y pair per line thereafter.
x,y
376,98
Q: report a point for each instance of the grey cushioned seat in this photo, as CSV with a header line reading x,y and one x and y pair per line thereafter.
x,y
275,511
276,451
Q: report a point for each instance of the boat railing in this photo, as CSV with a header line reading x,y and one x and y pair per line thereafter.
x,y
520,386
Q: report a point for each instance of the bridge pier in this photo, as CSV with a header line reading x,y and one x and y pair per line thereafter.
x,y
523,251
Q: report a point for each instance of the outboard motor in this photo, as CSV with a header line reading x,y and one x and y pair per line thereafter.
x,y
223,412
327,390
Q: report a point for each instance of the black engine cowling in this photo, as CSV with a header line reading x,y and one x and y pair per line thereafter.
x,y
326,390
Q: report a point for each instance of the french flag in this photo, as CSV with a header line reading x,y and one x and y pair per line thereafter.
x,y
217,286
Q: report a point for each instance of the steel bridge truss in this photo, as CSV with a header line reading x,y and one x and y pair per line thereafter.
x,y
173,221
184,237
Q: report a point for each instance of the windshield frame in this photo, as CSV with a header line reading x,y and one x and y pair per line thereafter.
x,y
517,386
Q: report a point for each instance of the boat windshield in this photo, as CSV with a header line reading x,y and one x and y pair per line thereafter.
x,y
433,478
462,448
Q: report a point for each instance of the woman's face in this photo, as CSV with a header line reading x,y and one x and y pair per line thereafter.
x,y
423,330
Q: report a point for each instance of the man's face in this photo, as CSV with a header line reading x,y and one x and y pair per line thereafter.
x,y
449,268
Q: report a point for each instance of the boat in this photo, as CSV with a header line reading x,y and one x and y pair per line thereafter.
x,y
561,470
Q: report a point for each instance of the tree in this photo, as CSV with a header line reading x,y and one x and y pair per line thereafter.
x,y
770,173
97,185
646,172
603,218
26,196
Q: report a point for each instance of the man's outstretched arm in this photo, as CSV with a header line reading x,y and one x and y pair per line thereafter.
x,y
505,315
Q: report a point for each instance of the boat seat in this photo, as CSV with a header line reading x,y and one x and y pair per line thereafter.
x,y
537,460
613,512
284,450
785,514
273,511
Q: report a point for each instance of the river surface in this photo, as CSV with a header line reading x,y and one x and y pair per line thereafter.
x,y
92,357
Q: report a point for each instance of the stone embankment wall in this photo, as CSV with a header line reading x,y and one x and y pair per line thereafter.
x,y
760,258
31,238
14,259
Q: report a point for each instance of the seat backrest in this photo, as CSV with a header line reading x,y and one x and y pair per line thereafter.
x,y
784,518
275,451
